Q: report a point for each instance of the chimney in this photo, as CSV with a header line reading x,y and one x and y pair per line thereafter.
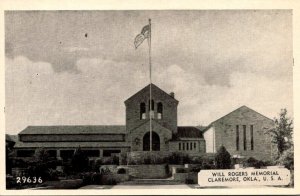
x,y
172,94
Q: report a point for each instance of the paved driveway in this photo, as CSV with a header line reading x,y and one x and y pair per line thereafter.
x,y
179,186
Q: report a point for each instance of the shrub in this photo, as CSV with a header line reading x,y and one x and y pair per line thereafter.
x,y
147,160
107,161
10,182
181,170
157,160
208,166
121,171
105,170
42,164
131,161
86,178
53,174
123,158
108,180
96,178
189,181
97,165
115,160
20,163
90,178
223,158
67,169
252,162
197,160
196,169
287,159
185,159
174,158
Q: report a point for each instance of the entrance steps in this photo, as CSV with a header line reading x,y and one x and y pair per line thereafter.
x,y
166,181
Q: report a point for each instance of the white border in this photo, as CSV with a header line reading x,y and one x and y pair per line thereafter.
x,y
154,5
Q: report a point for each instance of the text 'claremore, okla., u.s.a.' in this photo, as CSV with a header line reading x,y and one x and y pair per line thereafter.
x,y
244,177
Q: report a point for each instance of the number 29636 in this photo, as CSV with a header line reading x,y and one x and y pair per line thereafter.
x,y
29,180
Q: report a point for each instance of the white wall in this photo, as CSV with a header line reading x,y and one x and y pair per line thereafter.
x,y
209,137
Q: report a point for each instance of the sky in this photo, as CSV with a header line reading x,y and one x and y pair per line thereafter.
x,y
78,67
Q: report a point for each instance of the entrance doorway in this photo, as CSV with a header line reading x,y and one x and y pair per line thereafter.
x,y
155,142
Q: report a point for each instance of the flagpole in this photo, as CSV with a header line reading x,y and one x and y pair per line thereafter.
x,y
150,67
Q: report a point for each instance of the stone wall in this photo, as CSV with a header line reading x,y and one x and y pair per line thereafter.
x,y
191,177
141,155
225,133
147,171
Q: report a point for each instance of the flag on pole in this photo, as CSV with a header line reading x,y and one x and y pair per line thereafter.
x,y
145,33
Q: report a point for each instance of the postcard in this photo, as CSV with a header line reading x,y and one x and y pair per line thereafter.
x,y
125,99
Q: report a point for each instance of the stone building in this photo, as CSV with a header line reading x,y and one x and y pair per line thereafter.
x,y
241,132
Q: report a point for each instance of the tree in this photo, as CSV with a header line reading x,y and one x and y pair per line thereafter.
x,y
282,133
9,153
223,158
42,165
80,161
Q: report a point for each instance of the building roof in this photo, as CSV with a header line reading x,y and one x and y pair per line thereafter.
x,y
201,127
240,108
188,132
145,88
72,129
20,144
11,138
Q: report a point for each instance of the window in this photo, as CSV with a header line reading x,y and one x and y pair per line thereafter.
x,y
195,145
251,134
52,153
159,110
66,153
179,146
142,111
108,153
92,153
237,140
191,145
187,146
244,137
25,153
183,146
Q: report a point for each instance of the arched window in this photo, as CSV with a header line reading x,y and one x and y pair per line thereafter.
x,y
159,110
142,111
